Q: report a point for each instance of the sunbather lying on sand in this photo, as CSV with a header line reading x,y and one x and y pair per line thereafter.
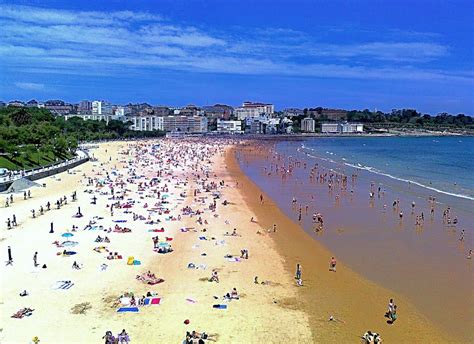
x,y
199,338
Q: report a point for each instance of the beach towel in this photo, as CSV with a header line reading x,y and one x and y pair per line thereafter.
x,y
120,220
219,306
155,301
190,300
67,253
130,260
202,238
169,239
137,262
128,310
156,230
234,260
69,243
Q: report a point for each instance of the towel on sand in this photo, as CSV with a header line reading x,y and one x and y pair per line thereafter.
x,y
127,310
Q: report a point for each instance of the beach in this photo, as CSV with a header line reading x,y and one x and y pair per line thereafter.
x,y
209,211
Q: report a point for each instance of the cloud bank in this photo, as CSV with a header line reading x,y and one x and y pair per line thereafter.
x,y
69,42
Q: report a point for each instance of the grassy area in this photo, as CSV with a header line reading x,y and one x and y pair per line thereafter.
x,y
30,160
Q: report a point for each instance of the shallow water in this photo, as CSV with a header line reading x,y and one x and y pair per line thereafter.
x,y
427,263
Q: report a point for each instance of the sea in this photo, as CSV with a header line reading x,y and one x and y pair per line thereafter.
x,y
426,264
443,165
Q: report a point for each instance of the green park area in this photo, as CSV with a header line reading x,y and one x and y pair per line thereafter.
x,y
34,137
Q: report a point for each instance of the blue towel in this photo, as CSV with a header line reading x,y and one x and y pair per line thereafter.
x,y
127,309
220,306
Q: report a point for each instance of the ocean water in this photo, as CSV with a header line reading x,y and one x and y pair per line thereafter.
x,y
441,164
425,264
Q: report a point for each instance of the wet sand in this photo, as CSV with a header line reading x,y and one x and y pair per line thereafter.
x,y
345,294
425,263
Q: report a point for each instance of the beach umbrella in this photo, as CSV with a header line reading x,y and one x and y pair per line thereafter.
x,y
67,235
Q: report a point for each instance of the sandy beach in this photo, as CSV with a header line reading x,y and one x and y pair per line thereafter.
x,y
199,195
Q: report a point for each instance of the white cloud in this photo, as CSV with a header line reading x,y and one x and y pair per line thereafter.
x,y
105,42
42,16
31,86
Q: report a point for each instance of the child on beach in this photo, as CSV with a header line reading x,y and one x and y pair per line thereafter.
x,y
332,264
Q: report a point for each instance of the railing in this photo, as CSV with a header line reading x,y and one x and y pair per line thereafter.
x,y
15,175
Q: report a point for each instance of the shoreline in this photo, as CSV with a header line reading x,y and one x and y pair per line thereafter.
x,y
328,294
278,311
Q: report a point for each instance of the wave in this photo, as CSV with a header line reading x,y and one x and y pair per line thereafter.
x,y
379,172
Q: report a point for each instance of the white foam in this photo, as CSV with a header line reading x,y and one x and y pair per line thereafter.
x,y
376,171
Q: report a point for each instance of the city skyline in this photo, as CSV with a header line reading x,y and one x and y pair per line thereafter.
x,y
349,55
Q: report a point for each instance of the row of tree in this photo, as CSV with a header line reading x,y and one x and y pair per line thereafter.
x,y
35,131
413,117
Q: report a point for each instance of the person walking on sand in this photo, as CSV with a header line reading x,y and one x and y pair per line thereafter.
x,y
332,264
391,306
261,199
274,228
35,259
461,238
298,271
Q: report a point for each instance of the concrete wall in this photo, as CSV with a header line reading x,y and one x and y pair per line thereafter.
x,y
46,173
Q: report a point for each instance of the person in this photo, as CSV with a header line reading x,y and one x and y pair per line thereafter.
x,y
371,338
109,338
123,337
469,255
332,264
393,314
35,259
14,223
391,305
234,294
214,276
274,228
299,282
298,271
76,266
9,224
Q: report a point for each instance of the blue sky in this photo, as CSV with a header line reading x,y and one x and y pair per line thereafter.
x,y
343,54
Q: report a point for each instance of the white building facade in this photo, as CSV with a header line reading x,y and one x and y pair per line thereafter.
x,y
92,117
308,125
186,124
147,123
342,128
251,110
229,127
